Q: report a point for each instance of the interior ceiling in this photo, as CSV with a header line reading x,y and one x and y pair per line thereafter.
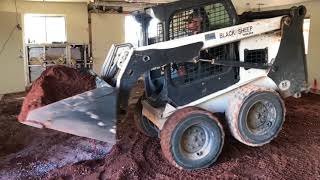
x,y
248,4
252,4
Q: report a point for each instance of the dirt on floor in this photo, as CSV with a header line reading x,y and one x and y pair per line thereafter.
x,y
294,154
30,153
26,152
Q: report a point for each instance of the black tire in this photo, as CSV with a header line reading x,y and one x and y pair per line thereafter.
x,y
255,115
143,124
192,138
156,101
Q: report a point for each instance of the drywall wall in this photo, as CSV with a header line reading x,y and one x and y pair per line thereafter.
x,y
12,76
107,29
11,68
76,15
313,57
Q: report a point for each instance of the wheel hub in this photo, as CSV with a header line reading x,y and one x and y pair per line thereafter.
x,y
261,117
193,139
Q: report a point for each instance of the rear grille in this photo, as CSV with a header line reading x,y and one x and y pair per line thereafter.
x,y
257,56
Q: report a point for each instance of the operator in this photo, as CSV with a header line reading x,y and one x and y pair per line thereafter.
x,y
195,25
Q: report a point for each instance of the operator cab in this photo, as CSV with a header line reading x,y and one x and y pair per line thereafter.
x,y
177,83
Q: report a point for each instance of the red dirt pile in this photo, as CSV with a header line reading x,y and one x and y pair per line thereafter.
x,y
54,84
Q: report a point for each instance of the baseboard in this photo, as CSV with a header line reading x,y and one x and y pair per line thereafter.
x,y
315,91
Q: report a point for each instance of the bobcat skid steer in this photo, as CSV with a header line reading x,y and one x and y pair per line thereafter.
x,y
203,59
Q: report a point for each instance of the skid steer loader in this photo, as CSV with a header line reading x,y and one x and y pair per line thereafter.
x,y
204,59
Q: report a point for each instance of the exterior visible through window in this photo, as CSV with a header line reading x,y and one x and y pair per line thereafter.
x,y
44,28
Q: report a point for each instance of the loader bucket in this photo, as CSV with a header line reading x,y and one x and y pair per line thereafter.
x,y
91,114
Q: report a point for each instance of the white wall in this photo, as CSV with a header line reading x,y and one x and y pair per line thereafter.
x,y
76,15
313,57
11,65
107,29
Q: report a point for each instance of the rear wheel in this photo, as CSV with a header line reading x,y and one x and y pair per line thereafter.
x,y
143,124
192,138
255,116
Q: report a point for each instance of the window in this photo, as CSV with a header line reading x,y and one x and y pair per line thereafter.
x,y
132,31
44,28
306,30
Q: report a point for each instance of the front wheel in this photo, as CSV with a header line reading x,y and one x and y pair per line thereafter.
x,y
192,138
143,124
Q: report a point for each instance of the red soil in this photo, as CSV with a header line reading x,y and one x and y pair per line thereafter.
x,y
294,154
54,84
30,153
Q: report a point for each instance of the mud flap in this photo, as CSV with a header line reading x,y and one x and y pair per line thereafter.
x,y
92,114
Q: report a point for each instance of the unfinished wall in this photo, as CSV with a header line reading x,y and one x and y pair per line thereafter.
x,y
107,29
76,15
12,67
314,43
313,57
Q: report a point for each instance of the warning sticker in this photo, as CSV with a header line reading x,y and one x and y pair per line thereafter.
x,y
210,36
